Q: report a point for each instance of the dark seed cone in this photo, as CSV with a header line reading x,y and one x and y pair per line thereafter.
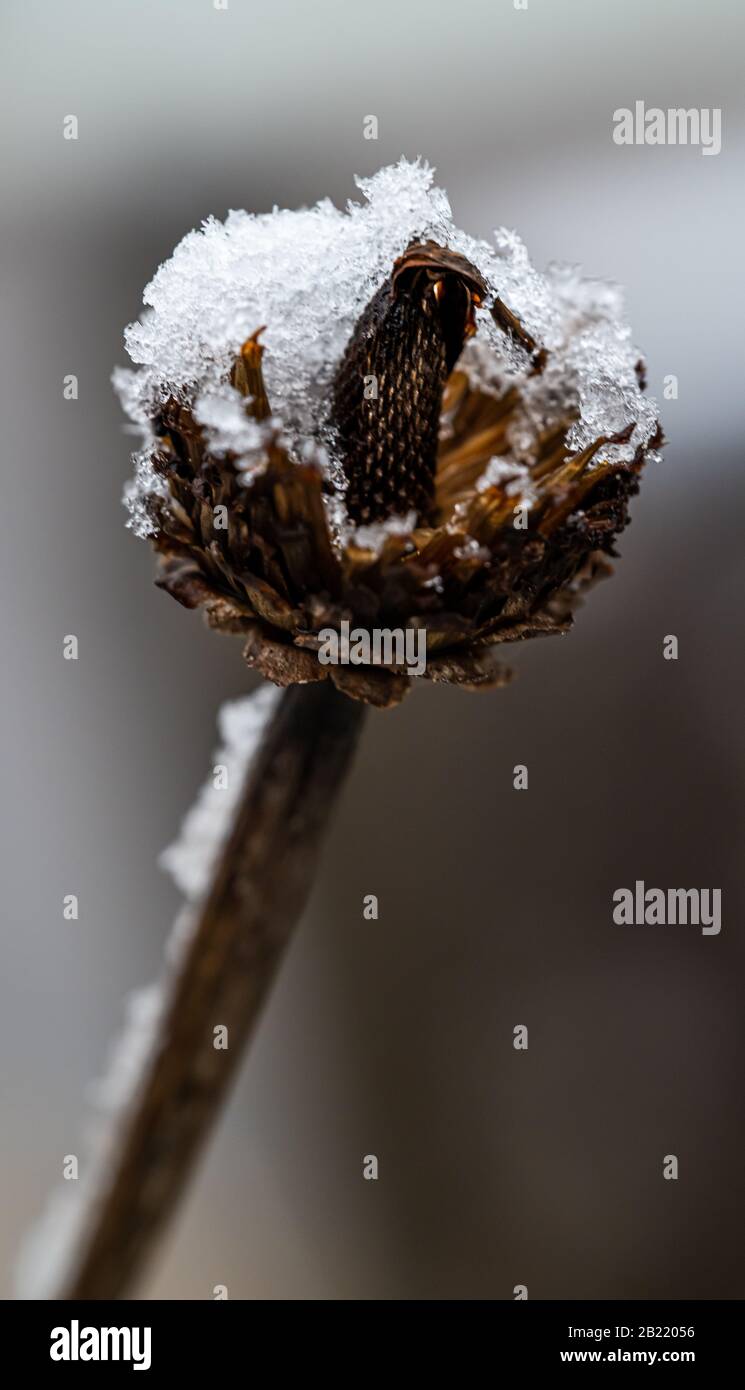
x,y
388,389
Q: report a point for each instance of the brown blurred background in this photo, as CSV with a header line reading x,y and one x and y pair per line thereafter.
x,y
496,1167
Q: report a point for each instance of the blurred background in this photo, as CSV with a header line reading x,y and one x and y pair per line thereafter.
x,y
497,1167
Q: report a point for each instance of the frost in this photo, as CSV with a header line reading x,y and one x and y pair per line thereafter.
x,y
48,1250
513,477
227,426
374,537
308,274
470,550
229,430
145,484
190,860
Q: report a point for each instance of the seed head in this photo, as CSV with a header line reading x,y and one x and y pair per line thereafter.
x,y
456,450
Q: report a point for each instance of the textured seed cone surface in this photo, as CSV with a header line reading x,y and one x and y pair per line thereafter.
x,y
387,397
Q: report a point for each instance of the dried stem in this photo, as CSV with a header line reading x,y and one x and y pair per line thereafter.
x,y
259,889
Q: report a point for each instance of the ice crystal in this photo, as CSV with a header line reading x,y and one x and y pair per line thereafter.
x,y
190,859
514,477
374,536
145,483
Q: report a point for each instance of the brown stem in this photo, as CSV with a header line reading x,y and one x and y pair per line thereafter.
x,y
260,887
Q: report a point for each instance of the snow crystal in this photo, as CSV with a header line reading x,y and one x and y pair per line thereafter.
x,y
374,536
48,1251
145,483
45,1257
227,426
513,477
308,274
190,860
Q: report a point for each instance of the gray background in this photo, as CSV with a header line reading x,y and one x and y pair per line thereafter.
x,y
496,1167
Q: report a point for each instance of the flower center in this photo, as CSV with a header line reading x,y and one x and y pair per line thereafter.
x,y
387,394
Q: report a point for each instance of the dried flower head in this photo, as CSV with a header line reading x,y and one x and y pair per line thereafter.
x,y
369,417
